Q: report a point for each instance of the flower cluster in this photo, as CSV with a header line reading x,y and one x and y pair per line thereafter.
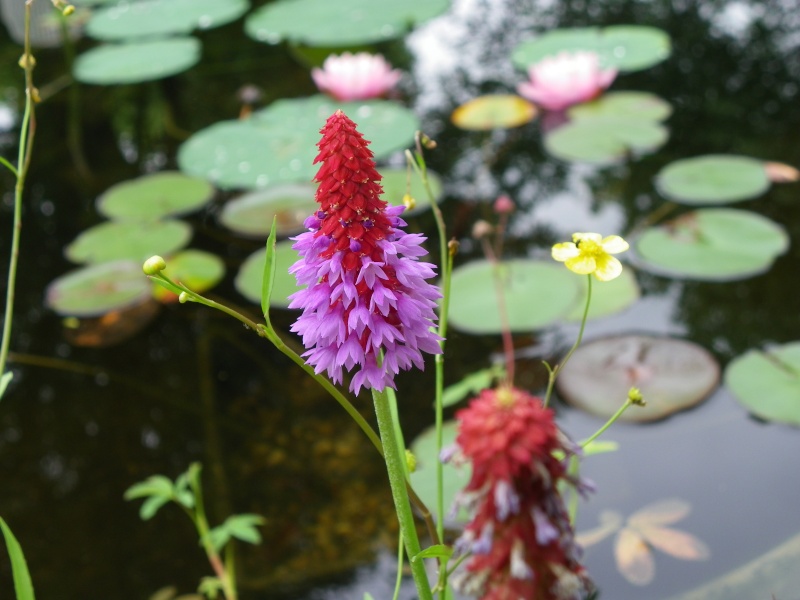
x,y
367,292
358,76
557,82
520,536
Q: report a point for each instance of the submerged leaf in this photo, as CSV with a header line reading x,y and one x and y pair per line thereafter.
x,y
673,542
663,512
634,558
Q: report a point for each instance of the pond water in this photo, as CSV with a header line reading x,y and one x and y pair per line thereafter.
x,y
80,425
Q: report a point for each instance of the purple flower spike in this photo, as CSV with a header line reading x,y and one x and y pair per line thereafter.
x,y
367,293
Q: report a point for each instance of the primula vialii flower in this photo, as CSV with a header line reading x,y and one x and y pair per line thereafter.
x,y
520,538
366,291
356,76
557,82
589,253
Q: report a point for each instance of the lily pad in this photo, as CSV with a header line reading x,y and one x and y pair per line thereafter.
x,y
341,23
133,62
279,143
627,105
622,47
97,289
713,179
672,375
605,140
145,18
767,382
712,244
152,197
128,240
423,479
250,276
252,214
536,294
608,297
493,111
111,328
395,186
196,269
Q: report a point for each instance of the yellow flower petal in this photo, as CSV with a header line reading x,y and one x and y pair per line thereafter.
x,y
565,251
608,268
592,237
613,244
582,264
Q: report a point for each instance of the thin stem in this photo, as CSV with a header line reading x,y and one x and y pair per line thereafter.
x,y
399,579
555,370
505,327
614,417
397,482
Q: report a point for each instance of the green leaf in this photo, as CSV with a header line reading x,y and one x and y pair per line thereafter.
x,y
255,214
155,485
4,381
437,551
628,105
767,383
600,447
471,385
114,240
244,527
197,270
605,140
368,596
269,271
713,179
23,586
136,61
249,280
151,506
219,536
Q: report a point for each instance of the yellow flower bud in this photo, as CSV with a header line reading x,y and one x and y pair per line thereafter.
x,y
635,397
183,298
154,265
409,202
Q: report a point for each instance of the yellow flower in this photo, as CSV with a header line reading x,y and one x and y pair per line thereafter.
x,y
589,253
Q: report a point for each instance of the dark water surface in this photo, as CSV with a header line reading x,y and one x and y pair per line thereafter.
x,y
80,425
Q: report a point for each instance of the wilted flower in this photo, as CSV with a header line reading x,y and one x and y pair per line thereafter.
x,y
355,76
520,536
590,253
567,78
366,291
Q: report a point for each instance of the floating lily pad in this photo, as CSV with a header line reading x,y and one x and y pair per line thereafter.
x,y
423,479
251,275
394,184
252,213
672,375
712,244
713,179
278,144
128,240
133,62
111,328
98,289
152,197
626,105
537,294
341,23
197,270
493,111
145,18
605,140
608,297
767,382
622,47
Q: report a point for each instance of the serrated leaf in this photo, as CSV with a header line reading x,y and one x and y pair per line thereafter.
x,y
437,551
155,485
23,586
268,281
151,506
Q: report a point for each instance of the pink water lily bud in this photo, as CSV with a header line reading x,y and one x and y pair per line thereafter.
x,y
355,76
567,78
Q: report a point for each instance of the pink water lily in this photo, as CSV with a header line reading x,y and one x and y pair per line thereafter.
x,y
356,76
557,82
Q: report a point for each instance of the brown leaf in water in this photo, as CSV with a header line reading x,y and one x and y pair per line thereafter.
x,y
663,512
781,172
675,543
634,558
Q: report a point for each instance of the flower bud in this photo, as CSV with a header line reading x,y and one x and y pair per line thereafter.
x,y
504,205
183,298
635,397
68,10
481,229
452,247
409,202
154,265
427,142
411,461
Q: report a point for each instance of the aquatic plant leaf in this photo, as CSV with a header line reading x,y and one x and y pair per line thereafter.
x,y
97,289
622,47
278,144
781,172
610,522
471,385
767,382
663,512
437,551
288,204
150,18
712,179
136,61
605,140
493,111
154,196
537,294
249,280
674,542
634,558
394,184
115,240
342,23
627,105
712,244
196,269
672,374
112,327
423,479
23,586
608,298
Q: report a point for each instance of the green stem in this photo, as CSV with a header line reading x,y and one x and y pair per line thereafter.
x,y
399,579
608,423
397,482
554,371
